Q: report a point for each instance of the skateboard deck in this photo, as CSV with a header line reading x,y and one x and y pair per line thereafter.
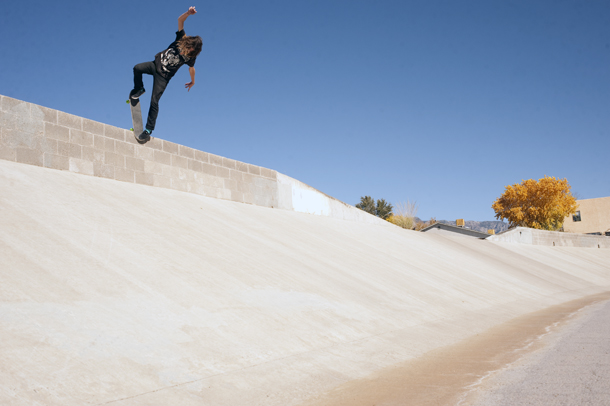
x,y
136,116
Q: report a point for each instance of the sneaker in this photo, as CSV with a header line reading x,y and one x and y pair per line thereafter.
x,y
144,137
135,94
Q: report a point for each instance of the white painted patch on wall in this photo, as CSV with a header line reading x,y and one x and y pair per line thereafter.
x,y
303,198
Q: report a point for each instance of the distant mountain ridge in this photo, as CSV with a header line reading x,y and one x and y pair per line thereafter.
x,y
482,226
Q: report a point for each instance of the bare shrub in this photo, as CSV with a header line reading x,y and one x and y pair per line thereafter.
x,y
404,214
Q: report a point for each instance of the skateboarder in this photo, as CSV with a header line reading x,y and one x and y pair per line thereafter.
x,y
183,50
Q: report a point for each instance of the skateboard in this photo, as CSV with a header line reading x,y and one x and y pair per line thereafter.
x,y
136,116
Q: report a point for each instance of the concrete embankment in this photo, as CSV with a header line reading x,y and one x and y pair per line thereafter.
x,y
127,294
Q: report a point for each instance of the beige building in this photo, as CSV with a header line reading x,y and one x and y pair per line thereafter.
x,y
592,216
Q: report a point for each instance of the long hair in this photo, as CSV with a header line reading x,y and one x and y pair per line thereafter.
x,y
190,46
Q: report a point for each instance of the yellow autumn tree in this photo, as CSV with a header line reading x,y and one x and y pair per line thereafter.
x,y
542,204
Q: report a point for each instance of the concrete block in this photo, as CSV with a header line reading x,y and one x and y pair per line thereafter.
x,y
142,152
209,169
215,160
7,153
134,164
155,143
104,171
182,173
81,166
18,139
179,173
103,143
16,107
192,187
195,165
237,196
153,167
69,150
269,173
145,178
211,191
242,167
47,145
124,175
200,178
81,138
248,198
236,175
93,155
229,163
209,180
163,158
21,131
12,121
265,201
202,156
69,120
266,187
125,148
59,162
225,194
198,189
57,132
230,184
223,172
186,152
114,132
170,147
93,127
249,178
244,187
168,170
180,162
255,170
178,184
113,159
190,175
162,181
46,114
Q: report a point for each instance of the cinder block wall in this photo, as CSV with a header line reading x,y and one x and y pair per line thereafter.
x,y
37,135
41,136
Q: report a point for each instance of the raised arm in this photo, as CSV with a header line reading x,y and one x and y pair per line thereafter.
x,y
184,16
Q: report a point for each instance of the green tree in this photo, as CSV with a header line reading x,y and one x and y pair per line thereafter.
x,y
382,209
367,203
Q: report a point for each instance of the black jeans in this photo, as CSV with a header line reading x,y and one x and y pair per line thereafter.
x,y
159,85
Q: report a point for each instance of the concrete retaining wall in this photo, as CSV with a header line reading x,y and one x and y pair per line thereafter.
x,y
41,136
531,236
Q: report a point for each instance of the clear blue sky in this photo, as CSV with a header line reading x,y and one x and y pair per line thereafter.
x,y
439,102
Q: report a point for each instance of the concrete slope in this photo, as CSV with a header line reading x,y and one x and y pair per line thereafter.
x,y
125,294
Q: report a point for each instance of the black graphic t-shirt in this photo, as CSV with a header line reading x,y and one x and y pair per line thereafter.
x,y
169,61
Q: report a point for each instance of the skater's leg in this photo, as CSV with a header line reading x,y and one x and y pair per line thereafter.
x,y
139,70
159,86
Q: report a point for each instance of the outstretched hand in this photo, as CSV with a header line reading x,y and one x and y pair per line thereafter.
x,y
189,85
191,11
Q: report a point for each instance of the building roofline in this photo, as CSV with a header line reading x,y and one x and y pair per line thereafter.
x,y
456,229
